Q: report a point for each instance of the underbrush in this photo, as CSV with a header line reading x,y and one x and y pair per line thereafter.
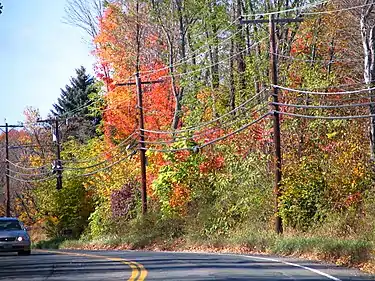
x,y
53,243
339,251
174,234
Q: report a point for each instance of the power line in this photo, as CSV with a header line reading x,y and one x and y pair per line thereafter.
x,y
339,10
217,63
80,175
124,142
335,60
27,168
236,131
310,13
209,66
326,117
102,169
340,86
324,106
86,105
188,129
195,52
65,114
323,93
296,9
25,174
198,70
309,99
75,161
32,180
223,126
212,141
91,166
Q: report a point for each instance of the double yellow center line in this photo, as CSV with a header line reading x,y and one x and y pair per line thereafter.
x,y
139,273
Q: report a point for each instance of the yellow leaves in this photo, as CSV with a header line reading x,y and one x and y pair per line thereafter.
x,y
35,161
180,197
203,95
332,135
358,171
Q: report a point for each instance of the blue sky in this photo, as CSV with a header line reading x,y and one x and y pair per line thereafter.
x,y
38,55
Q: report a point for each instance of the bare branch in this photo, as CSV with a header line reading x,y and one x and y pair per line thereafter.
x,y
84,14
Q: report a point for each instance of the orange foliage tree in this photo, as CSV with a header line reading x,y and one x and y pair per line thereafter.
x,y
117,49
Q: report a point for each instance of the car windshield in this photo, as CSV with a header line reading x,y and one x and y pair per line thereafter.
x,y
9,225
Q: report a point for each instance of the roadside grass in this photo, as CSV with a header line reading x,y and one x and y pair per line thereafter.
x,y
53,243
339,251
253,240
153,233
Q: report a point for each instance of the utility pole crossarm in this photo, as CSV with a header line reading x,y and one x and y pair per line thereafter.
x,y
143,83
11,126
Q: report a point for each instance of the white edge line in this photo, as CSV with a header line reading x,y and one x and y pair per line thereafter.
x,y
294,265
316,271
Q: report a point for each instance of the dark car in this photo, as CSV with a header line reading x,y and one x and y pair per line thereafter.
x,y
14,236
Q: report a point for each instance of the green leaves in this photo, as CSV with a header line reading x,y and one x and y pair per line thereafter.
x,y
173,183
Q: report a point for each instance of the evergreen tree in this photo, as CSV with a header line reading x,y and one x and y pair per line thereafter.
x,y
74,98
73,105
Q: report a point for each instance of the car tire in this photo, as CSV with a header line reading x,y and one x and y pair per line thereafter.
x,y
24,253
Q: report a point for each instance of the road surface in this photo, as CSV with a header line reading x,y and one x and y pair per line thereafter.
x,y
158,266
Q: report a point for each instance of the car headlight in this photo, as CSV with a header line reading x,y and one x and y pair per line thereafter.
x,y
22,238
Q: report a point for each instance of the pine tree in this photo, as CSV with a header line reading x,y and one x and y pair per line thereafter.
x,y
73,104
74,98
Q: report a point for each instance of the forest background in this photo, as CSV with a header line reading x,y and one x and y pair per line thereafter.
x,y
209,108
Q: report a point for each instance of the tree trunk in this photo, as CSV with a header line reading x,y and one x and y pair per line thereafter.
x,y
232,97
368,42
331,56
192,50
241,66
178,93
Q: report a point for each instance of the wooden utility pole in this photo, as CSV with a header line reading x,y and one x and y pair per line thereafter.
x,y
58,165
276,124
276,116
142,147
58,168
7,180
142,150
7,196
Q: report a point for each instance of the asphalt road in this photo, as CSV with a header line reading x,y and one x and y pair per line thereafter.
x,y
157,266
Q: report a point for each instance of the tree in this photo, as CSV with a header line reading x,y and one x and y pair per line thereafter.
x,y
174,18
367,31
85,14
127,47
363,20
74,103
